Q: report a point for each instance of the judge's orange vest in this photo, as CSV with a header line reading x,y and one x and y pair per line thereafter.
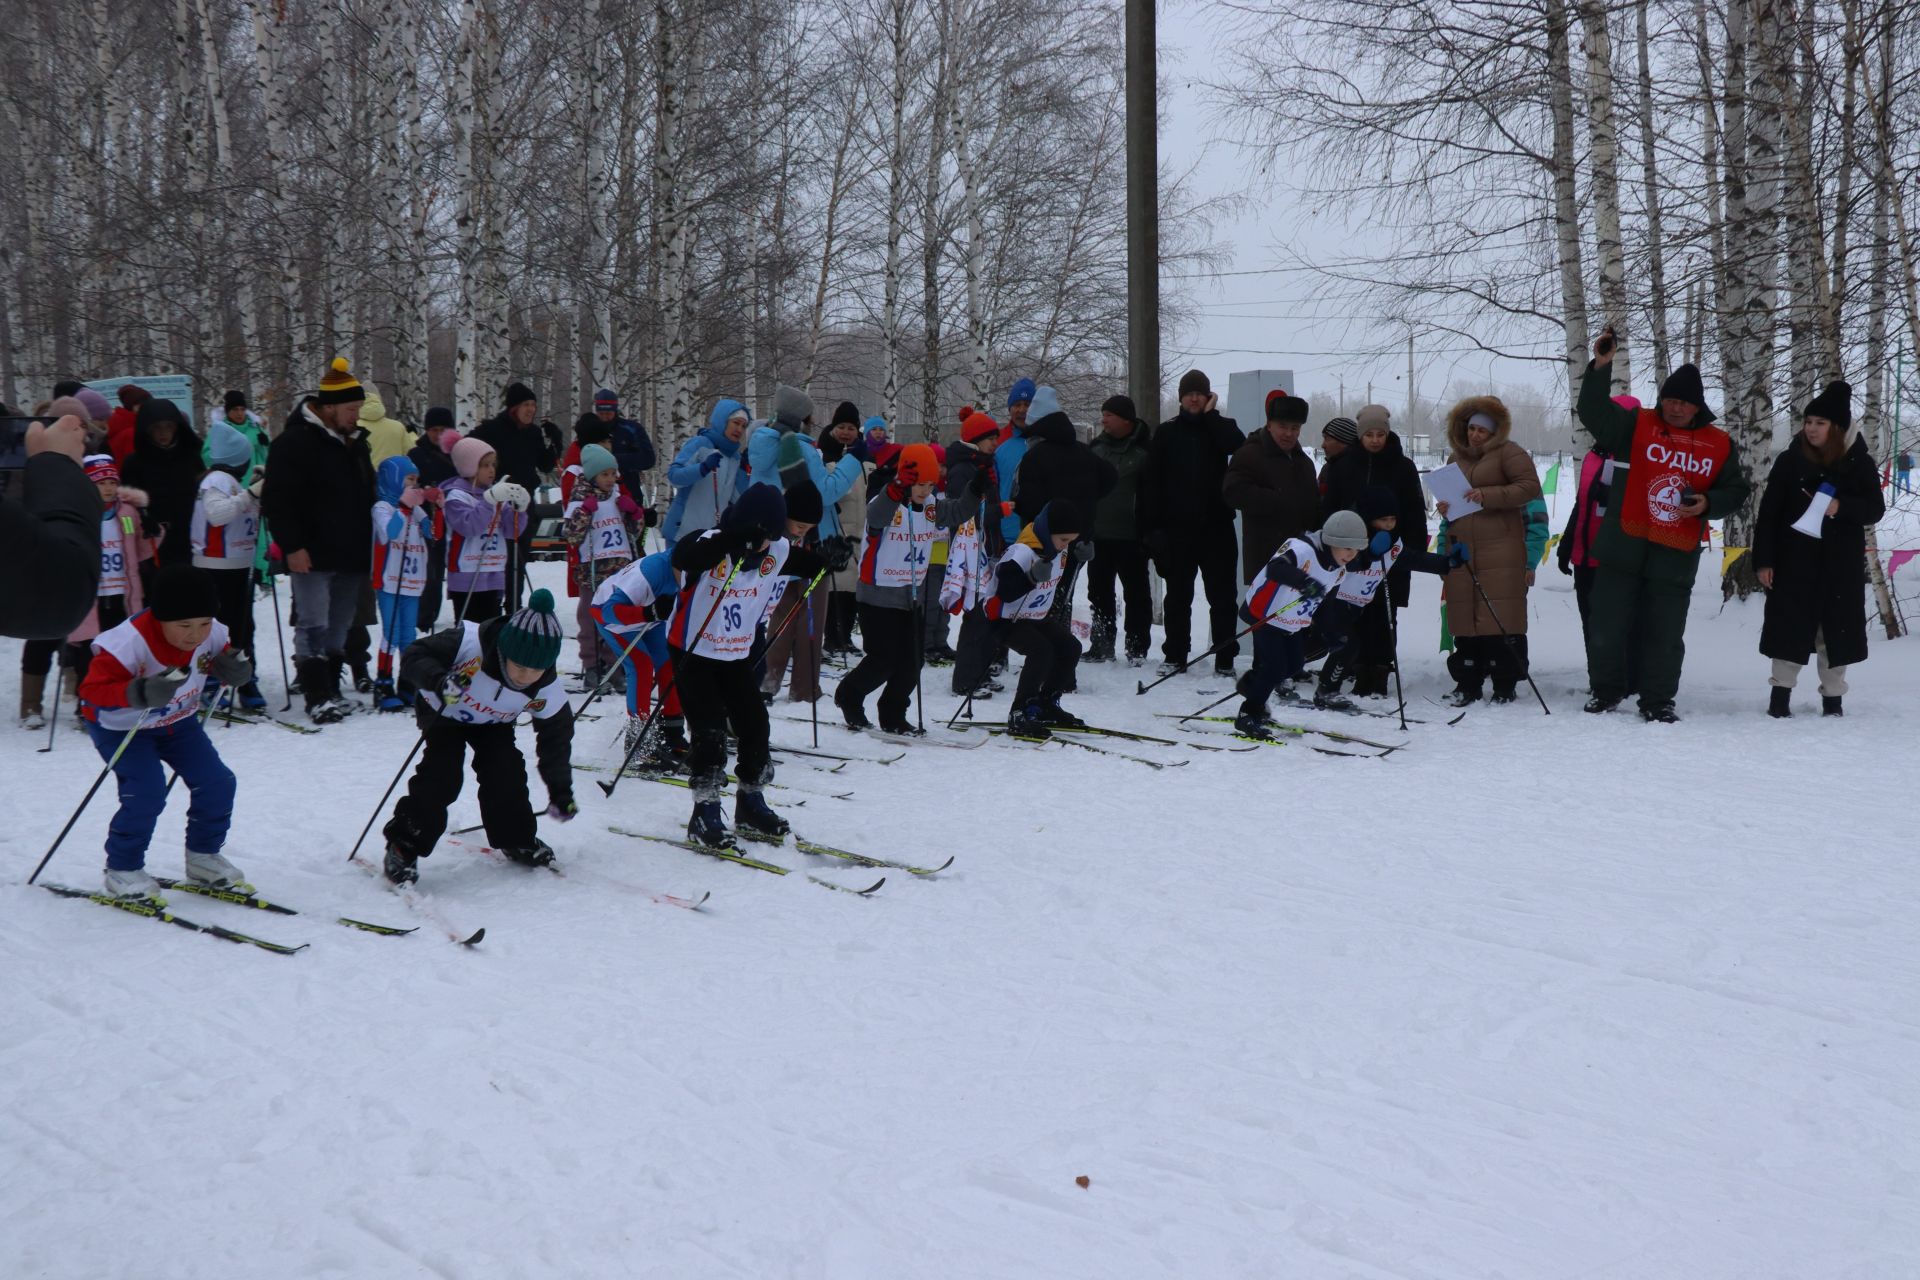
x,y
1663,465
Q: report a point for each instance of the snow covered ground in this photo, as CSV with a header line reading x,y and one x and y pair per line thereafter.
x,y
1535,998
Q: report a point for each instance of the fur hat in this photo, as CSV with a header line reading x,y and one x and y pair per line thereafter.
x,y
1286,408
531,637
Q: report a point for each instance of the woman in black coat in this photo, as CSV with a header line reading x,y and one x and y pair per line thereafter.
x,y
1816,586
1378,463
165,465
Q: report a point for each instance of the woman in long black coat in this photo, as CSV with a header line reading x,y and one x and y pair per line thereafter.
x,y
1378,462
1816,586
165,464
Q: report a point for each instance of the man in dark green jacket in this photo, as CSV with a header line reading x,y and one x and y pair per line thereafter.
x,y
1676,472
1117,550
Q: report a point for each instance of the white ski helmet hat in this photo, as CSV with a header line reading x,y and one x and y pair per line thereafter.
x,y
1344,529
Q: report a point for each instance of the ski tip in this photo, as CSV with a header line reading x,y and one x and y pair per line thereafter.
x,y
1462,716
871,889
474,941
934,871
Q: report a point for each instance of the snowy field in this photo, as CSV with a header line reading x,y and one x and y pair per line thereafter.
x,y
1533,999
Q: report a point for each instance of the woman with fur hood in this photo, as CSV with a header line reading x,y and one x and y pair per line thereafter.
x,y
1503,482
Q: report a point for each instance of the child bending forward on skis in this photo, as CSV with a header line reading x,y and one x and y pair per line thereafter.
x,y
474,680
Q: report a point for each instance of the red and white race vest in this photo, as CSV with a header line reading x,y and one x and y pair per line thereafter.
x,y
607,536
969,578
486,700
399,562
730,621
897,555
1360,586
224,546
1275,604
1037,602
116,552
128,646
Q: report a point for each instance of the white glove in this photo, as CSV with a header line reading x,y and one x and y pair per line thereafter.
x,y
506,492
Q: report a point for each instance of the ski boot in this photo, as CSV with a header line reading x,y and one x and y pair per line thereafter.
x,y
213,870
753,819
1504,694
386,697
362,678
32,692
901,727
707,827
400,866
1831,706
670,748
1252,722
1659,713
537,854
1026,723
251,699
1171,667
1597,705
131,884
1223,666
941,655
1464,696
1326,694
320,688
1055,716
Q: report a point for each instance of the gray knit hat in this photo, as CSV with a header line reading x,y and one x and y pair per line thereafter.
x,y
1344,529
1345,430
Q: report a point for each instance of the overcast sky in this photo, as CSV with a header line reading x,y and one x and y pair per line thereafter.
x,y
1252,316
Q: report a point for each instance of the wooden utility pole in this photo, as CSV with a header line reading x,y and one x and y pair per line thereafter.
x,y
1143,212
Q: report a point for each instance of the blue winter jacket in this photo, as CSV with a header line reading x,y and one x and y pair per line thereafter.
x,y
1006,462
763,453
699,499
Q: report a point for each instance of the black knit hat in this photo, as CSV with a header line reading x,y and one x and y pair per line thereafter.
x,y
1288,409
1375,501
439,416
1194,383
236,400
1120,407
762,508
1063,515
588,429
845,411
804,503
181,591
1684,384
1835,404
517,393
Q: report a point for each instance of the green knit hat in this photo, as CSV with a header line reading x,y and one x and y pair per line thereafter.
x,y
532,636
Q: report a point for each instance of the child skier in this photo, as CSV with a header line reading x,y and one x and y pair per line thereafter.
x,y
1281,603
226,538
484,518
1360,594
474,680
138,699
604,529
733,574
903,521
1028,576
630,609
402,534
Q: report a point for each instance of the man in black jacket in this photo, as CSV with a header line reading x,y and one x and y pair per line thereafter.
x,y
1186,524
524,452
626,439
50,527
318,501
1059,466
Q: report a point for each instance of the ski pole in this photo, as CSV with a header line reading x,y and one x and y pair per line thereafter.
x,y
1235,639
53,721
388,793
280,636
1505,635
87,799
1210,706
1393,628
919,665
653,717
813,703
593,695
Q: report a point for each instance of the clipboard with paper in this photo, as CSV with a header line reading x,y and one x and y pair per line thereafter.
x,y
1449,484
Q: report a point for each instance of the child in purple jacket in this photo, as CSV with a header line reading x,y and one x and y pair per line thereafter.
x,y
484,521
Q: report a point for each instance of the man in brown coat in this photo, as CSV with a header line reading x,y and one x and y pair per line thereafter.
x,y
1272,484
1489,623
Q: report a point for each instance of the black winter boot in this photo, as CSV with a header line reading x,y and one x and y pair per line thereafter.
x,y
707,827
1780,703
1659,713
1597,705
1026,723
1464,695
537,854
853,712
1830,706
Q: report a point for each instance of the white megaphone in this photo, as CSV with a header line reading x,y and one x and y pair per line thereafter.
x,y
1812,520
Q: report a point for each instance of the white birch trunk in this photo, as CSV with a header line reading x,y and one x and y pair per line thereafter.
x,y
1605,142
467,168
1566,205
299,367
1655,236
967,165
593,345
901,13
239,371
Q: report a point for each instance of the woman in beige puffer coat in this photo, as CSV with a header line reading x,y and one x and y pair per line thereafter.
x,y
1503,483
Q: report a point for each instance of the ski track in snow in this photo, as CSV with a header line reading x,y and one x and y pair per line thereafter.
x,y
1576,999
